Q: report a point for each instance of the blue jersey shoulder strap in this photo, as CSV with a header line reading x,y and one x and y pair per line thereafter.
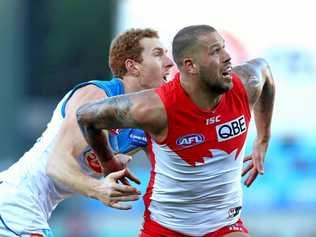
x,y
111,88
121,140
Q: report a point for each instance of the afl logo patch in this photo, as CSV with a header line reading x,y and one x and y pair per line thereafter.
x,y
231,129
92,161
190,140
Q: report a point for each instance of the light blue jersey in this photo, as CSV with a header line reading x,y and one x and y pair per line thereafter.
x,y
28,196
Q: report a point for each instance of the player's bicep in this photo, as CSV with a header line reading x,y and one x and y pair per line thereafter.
x,y
136,110
251,75
113,112
70,137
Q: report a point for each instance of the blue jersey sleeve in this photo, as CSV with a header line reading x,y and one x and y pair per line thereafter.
x,y
127,140
121,140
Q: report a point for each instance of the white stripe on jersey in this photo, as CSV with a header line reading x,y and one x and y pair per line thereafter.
x,y
195,200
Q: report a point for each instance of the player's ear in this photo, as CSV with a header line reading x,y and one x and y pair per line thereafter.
x,y
189,66
132,67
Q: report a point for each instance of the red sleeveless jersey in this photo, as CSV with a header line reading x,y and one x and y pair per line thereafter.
x,y
195,183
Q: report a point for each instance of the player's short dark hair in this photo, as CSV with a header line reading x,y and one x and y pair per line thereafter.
x,y
186,39
127,46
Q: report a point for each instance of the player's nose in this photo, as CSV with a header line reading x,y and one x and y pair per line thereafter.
x,y
226,57
168,62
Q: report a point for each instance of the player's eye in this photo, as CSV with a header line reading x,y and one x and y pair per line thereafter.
x,y
158,53
215,50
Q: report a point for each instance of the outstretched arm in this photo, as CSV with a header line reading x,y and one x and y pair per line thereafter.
x,y
258,81
137,110
63,168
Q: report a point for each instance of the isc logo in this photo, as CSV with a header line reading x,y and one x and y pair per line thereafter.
x,y
231,129
212,120
190,140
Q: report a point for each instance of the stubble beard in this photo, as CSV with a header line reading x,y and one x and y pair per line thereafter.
x,y
216,86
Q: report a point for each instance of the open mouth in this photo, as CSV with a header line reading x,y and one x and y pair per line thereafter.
x,y
165,77
227,73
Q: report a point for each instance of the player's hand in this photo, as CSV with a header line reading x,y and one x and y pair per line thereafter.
x,y
112,193
118,162
255,162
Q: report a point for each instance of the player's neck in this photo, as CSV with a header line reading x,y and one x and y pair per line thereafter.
x,y
200,95
130,84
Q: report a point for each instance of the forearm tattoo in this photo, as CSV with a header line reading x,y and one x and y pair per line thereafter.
x,y
113,112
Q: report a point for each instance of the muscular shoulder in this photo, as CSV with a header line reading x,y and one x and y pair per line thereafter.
x,y
135,110
146,109
150,109
89,92
251,74
84,95
70,140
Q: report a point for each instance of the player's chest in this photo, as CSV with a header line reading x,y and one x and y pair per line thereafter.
x,y
196,136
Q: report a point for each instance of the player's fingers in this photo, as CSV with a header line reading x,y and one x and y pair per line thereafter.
x,y
125,189
252,176
129,175
122,174
124,159
247,158
116,175
258,163
246,169
120,206
125,181
127,198
113,194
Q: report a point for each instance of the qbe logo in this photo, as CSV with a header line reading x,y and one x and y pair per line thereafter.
x,y
231,129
